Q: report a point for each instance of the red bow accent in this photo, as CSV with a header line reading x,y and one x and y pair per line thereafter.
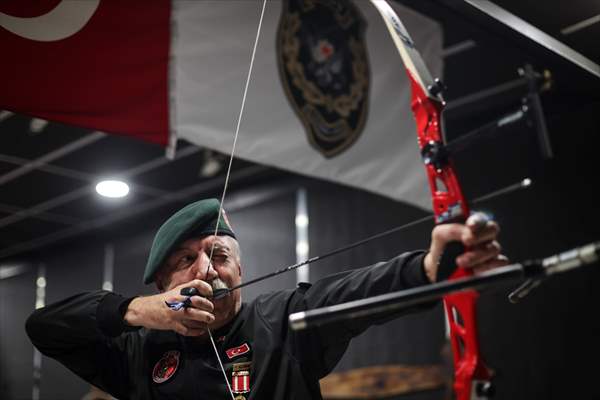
x,y
471,375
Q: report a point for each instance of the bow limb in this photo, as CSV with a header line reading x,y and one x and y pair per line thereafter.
x,y
471,375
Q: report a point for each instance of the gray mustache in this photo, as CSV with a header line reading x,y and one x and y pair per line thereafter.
x,y
218,284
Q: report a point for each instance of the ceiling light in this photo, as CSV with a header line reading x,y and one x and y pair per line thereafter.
x,y
112,188
302,221
212,165
8,271
37,125
5,114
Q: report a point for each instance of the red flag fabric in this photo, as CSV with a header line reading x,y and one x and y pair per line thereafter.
x,y
97,64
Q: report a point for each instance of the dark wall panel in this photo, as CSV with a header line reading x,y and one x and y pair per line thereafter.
x,y
340,216
266,233
17,300
130,255
67,273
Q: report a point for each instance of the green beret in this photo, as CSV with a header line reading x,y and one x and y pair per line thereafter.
x,y
194,220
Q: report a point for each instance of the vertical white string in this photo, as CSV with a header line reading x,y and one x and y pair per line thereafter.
x,y
239,121
212,341
235,137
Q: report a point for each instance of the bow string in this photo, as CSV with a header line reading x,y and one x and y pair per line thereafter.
x,y
226,184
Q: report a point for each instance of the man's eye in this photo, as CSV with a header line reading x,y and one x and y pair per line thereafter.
x,y
219,258
186,260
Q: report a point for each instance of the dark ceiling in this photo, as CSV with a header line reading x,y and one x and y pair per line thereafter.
x,y
48,170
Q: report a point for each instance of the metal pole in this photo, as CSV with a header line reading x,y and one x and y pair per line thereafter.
x,y
302,244
40,301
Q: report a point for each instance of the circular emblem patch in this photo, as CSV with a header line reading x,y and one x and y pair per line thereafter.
x,y
165,368
324,69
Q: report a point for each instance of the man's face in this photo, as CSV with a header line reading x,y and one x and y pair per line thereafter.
x,y
191,261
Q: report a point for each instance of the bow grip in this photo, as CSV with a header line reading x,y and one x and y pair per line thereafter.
x,y
447,262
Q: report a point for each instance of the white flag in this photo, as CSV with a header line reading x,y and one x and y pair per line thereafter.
x,y
211,47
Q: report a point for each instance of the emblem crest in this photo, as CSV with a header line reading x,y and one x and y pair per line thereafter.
x,y
166,367
323,66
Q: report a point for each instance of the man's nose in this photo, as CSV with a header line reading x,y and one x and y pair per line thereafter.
x,y
205,269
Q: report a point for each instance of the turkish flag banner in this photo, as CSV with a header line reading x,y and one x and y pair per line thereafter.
x,y
164,70
97,64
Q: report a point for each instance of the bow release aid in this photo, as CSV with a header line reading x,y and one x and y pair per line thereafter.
x,y
192,291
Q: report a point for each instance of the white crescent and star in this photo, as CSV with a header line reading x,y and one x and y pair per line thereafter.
x,y
64,20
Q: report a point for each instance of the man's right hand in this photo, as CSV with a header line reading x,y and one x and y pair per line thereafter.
x,y
151,311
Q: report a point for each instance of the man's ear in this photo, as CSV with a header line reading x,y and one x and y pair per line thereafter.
x,y
239,269
160,279
159,283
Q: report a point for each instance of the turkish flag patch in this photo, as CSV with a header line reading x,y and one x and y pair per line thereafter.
x,y
237,351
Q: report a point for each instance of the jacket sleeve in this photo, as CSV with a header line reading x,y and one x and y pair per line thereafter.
x,y
86,333
330,341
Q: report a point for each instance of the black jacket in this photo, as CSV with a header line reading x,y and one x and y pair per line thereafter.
x,y
86,334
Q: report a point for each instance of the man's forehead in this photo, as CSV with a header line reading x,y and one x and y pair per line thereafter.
x,y
220,242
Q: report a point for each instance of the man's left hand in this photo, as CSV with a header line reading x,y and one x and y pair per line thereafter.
x,y
478,235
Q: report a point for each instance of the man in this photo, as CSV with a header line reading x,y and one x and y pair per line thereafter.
x,y
139,348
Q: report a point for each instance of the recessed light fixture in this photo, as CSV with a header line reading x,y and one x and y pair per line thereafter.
x,y
112,188
37,125
5,114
